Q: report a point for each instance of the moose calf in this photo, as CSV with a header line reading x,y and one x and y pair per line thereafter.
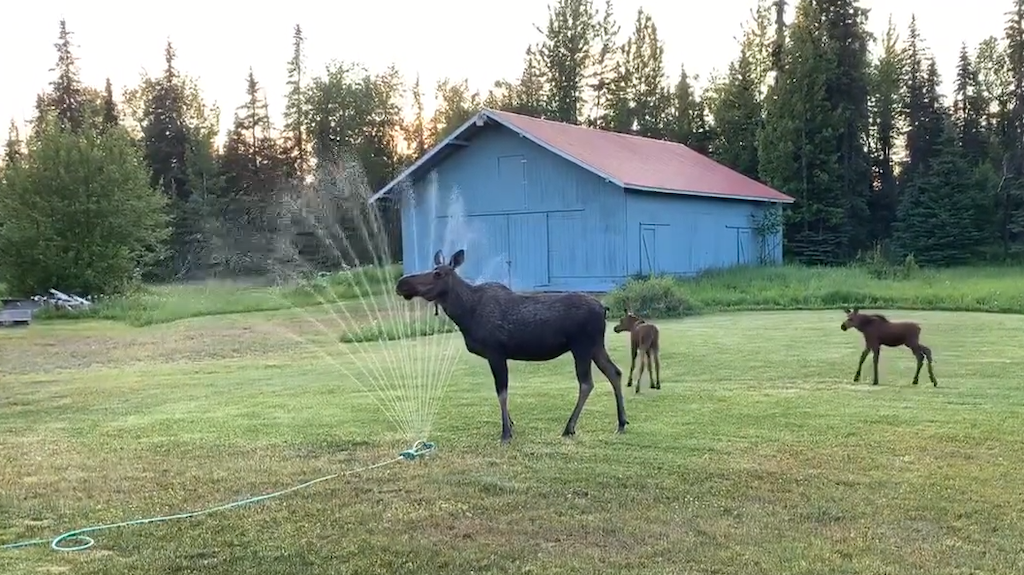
x,y
878,331
643,338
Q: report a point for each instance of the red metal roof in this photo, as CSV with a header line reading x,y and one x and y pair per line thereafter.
x,y
641,163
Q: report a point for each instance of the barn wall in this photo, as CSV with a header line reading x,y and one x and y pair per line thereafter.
x,y
527,217
682,235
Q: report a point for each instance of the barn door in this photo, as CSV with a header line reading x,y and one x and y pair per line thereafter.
x,y
745,251
648,250
528,251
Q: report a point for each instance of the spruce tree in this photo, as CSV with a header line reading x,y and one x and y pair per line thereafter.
x,y
566,52
886,125
295,144
66,96
110,116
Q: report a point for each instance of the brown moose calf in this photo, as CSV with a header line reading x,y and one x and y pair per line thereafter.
x,y
643,339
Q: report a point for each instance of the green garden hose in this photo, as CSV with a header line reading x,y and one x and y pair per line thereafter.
x,y
77,540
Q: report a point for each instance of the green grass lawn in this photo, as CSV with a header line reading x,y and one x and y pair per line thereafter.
x,y
759,455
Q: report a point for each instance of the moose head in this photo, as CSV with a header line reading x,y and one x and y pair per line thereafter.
x,y
433,285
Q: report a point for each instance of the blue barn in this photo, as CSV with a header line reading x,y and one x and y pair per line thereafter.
x,y
545,206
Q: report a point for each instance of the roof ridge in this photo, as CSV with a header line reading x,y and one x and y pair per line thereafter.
x,y
598,130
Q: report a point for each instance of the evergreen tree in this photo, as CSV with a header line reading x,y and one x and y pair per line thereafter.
x,y
566,52
799,146
295,144
416,131
778,47
886,115
1013,140
845,39
736,108
604,62
531,91
938,218
66,96
757,44
917,105
165,134
527,95
684,111
619,114
638,99
177,139
645,57
968,111
253,170
704,134
110,117
13,146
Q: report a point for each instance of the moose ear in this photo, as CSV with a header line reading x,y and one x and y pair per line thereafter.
x,y
856,310
457,258
438,258
847,311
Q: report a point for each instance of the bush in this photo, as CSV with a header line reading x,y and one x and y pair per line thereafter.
x,y
797,287
651,297
78,214
878,265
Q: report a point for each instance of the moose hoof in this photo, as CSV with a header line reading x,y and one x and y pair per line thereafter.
x,y
874,383
629,383
657,386
506,439
569,433
622,428
913,382
935,384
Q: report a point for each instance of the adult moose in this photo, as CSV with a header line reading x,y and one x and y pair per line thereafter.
x,y
498,324
878,331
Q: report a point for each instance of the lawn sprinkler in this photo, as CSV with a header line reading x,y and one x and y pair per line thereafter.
x,y
419,450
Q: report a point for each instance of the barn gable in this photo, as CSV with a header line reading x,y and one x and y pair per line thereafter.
x,y
524,212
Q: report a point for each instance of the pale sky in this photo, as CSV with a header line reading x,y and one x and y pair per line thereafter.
x,y
218,40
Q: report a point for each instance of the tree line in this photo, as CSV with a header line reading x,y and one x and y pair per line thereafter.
x,y
103,191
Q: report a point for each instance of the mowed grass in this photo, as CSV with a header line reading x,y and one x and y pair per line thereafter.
x,y
759,455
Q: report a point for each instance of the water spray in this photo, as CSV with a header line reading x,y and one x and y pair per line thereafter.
x,y
405,388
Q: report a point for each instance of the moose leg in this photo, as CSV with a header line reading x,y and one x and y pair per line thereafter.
x,y
640,374
586,386
863,356
632,364
919,356
931,374
650,368
876,351
657,367
499,369
614,375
